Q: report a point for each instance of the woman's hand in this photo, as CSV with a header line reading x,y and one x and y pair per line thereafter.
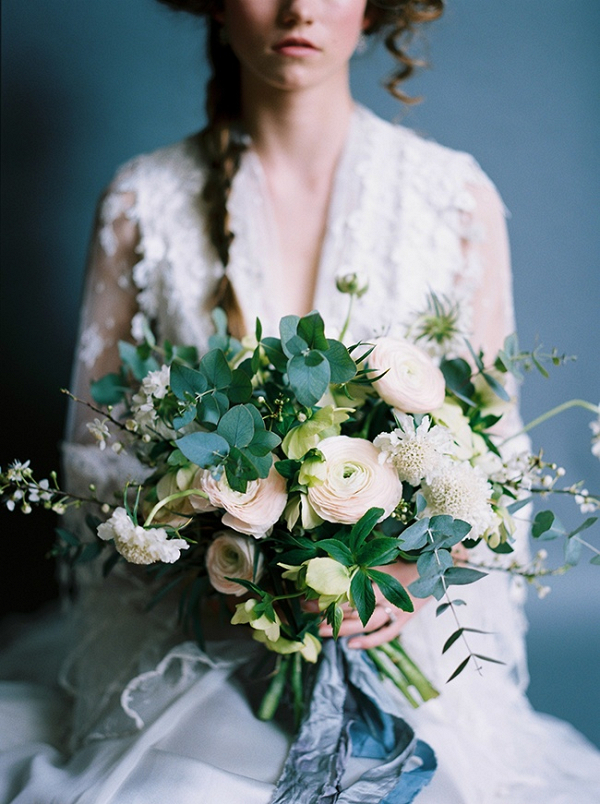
x,y
386,622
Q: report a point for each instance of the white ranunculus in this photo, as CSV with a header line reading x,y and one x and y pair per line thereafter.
x,y
232,556
352,481
140,545
413,383
253,511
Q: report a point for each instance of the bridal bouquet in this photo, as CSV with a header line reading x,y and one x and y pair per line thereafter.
x,y
293,469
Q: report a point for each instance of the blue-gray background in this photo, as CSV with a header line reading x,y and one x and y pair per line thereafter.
x,y
86,85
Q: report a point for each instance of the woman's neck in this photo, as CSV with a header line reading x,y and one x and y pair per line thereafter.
x,y
298,131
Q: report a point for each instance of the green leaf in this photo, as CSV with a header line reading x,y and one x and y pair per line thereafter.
x,y
447,531
454,636
516,506
262,463
295,346
584,526
67,537
542,523
443,606
189,354
288,328
496,387
457,374
415,536
308,383
204,449
216,369
312,329
381,550
572,552
488,659
595,560
337,550
91,551
336,619
138,365
264,442
186,417
462,575
363,596
108,390
274,353
240,389
426,587
392,590
237,426
363,527
343,367
186,382
209,411
434,563
288,468
460,668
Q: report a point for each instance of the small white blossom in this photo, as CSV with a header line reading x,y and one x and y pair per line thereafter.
x,y
139,324
59,508
542,591
461,492
140,545
416,452
18,471
595,428
99,429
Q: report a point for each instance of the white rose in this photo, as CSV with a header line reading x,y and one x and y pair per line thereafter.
x,y
352,481
413,383
253,511
232,556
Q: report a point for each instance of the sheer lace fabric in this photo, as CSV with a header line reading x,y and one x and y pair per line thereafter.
x,y
415,217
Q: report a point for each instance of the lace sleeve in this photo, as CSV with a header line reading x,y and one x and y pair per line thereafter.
x,y
109,302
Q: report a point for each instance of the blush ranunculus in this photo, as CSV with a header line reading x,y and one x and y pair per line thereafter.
x,y
352,480
232,556
253,511
413,383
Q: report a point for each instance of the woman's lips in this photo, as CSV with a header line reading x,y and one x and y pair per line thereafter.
x,y
295,46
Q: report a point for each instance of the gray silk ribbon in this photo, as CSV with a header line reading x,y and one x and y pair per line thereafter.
x,y
351,712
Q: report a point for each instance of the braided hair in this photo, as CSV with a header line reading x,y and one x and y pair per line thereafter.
x,y
394,20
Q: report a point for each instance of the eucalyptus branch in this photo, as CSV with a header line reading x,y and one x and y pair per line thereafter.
x,y
572,403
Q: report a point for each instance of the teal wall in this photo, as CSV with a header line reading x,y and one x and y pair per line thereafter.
x,y
86,85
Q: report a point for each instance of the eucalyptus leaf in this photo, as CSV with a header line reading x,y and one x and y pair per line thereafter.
x,y
312,329
274,353
108,390
186,382
308,383
209,411
237,426
415,536
139,366
460,668
343,367
496,387
434,563
572,552
426,587
263,442
462,575
240,389
216,369
204,449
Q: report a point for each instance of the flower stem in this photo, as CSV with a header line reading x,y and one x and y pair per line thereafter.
x,y
272,696
297,688
348,317
572,403
171,498
388,669
410,670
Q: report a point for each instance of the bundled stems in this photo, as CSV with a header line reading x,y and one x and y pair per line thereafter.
x,y
272,697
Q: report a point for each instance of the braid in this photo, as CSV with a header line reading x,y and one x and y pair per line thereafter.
x,y
223,152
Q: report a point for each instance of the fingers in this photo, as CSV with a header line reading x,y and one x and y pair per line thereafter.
x,y
382,635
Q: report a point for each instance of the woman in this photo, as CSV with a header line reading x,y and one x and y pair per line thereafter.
x,y
288,185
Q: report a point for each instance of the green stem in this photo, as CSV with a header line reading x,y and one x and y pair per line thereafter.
x,y
171,498
388,669
572,403
410,670
272,696
348,316
297,689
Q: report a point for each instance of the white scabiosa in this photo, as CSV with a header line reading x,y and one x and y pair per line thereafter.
x,y
461,492
417,452
351,480
140,545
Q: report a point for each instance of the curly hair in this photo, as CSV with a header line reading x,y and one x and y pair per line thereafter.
x,y
393,20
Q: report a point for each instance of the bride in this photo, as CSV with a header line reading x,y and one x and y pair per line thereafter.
x,y
289,185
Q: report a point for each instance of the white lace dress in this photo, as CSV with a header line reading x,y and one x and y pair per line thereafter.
x,y
154,718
